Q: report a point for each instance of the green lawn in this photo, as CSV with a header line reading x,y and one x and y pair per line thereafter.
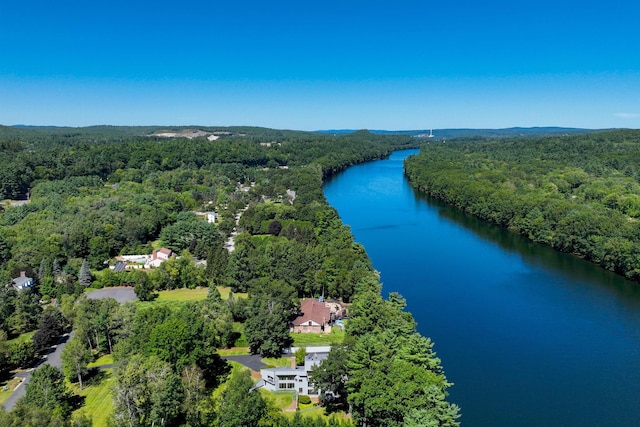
x,y
183,294
98,403
241,341
106,359
21,338
10,385
277,361
176,298
235,351
225,292
280,399
301,340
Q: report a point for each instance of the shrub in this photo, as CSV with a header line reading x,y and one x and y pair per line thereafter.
x,y
304,400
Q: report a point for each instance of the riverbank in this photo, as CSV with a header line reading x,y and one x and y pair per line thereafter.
x,y
497,305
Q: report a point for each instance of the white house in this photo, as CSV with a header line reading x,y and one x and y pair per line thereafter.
x,y
295,379
212,217
23,282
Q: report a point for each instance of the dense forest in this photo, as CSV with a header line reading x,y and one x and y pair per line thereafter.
x,y
578,194
91,194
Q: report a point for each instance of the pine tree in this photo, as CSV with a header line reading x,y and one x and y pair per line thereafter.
x,y
85,274
57,270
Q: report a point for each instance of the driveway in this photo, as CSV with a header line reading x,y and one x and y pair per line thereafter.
x,y
121,294
54,358
253,362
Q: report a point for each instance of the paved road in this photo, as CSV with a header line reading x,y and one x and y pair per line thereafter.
x,y
54,358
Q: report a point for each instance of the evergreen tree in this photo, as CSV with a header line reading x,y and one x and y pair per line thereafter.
x,y
56,269
85,274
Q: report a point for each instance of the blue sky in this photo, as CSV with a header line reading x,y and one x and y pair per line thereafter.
x,y
321,64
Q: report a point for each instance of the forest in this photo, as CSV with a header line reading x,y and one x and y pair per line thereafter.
x,y
579,194
75,198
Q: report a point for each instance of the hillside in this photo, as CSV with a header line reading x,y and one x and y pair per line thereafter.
x,y
578,194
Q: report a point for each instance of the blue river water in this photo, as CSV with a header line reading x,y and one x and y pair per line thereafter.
x,y
529,336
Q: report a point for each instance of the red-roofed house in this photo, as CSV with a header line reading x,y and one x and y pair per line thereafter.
x,y
316,317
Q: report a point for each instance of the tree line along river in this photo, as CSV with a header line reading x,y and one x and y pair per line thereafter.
x,y
529,336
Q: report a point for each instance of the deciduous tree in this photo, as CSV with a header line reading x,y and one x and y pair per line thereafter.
x,y
75,358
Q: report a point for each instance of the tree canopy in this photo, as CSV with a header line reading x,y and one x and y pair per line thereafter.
x,y
578,194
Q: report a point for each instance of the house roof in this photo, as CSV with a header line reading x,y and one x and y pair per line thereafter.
x,y
165,251
23,281
313,310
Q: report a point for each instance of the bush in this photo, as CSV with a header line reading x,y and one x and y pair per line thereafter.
x,y
304,400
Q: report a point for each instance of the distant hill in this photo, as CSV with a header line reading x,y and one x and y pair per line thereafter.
x,y
482,133
102,131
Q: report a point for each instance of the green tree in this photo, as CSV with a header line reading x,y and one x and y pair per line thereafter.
x,y
143,286
85,274
330,378
300,355
75,358
23,354
51,328
193,386
146,392
47,390
267,324
239,407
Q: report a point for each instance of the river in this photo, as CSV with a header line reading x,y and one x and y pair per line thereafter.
x,y
529,336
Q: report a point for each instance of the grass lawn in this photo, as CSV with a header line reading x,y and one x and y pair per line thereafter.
x,y
310,411
241,341
183,294
277,361
301,340
106,359
176,298
235,351
280,399
21,338
98,403
225,293
10,385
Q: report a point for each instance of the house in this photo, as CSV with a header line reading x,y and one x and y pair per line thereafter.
x,y
212,217
162,253
158,257
317,316
135,262
296,379
23,282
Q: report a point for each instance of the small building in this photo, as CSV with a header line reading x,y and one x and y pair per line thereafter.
x,y
212,217
23,282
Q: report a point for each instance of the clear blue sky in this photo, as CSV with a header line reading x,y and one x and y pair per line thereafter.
x,y
321,64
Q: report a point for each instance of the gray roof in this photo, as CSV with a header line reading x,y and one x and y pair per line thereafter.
x,y
22,282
